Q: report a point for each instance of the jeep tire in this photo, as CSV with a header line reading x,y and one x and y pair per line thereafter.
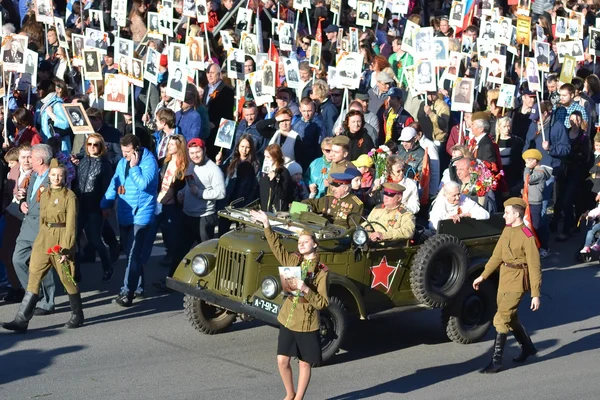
x,y
439,270
469,317
332,328
205,317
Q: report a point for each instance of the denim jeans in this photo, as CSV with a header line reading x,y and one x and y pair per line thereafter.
x,y
133,238
539,224
589,236
168,221
92,224
193,229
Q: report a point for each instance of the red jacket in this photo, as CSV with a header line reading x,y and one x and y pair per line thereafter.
x,y
28,136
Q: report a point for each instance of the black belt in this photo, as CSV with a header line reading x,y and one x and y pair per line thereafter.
x,y
55,224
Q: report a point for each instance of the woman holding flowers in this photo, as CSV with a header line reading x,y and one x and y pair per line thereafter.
x,y
53,247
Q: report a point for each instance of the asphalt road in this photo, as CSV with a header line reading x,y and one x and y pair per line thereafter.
x,y
150,351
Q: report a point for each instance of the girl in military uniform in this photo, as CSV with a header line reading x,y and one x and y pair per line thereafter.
x,y
299,316
53,247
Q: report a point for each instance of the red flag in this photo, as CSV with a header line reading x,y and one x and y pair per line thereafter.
x,y
274,56
319,35
424,179
527,217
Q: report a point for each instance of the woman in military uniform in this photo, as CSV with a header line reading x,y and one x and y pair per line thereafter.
x,y
58,227
299,315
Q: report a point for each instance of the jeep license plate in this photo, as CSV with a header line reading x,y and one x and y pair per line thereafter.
x,y
265,305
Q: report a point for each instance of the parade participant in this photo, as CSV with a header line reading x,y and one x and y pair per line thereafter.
x,y
318,170
54,246
276,189
396,222
340,151
411,153
395,117
299,315
354,127
341,205
451,204
534,178
517,257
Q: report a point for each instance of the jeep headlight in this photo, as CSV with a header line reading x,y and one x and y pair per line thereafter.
x,y
200,265
269,287
360,237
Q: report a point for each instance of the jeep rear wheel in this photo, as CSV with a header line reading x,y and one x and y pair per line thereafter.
x,y
469,317
205,317
439,270
332,329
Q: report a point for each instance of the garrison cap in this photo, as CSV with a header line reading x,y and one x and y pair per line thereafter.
x,y
515,201
532,153
342,178
304,232
341,140
394,187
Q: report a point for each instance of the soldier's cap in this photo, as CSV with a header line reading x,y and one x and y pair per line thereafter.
x,y
304,232
54,163
394,188
363,161
361,96
331,29
515,201
480,115
394,92
341,140
353,172
532,153
341,179
407,134
384,77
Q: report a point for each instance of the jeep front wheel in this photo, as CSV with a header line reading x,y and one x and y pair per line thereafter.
x,y
332,329
205,317
469,317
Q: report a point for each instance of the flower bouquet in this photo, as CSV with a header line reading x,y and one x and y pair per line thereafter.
x,y
379,157
484,178
58,252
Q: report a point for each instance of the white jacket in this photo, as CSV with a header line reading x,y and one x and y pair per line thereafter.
x,y
442,210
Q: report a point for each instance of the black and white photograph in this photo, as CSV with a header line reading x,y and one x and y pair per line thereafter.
x,y
486,7
504,31
177,82
466,45
379,10
124,66
116,89
532,73
334,7
189,8
506,98
456,14
61,34
118,13
496,66
96,20
332,78
137,72
563,49
425,79
77,48
195,45
256,86
153,26
542,55
225,134
201,11
423,41
95,39
44,11
364,13
269,70
577,50
31,66
595,41
13,53
165,18
292,74
227,40
315,54
408,40
123,47
286,37
78,119
249,43
561,27
177,54
300,4
152,63
400,6
524,7
454,63
462,94
235,64
440,51
91,65
243,20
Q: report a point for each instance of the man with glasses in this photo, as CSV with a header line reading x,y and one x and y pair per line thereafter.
x,y
394,222
377,94
341,207
332,33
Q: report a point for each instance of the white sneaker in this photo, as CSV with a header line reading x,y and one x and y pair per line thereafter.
x,y
544,253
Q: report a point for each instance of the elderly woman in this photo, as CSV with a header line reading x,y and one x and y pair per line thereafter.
x,y
288,139
51,115
360,141
329,112
318,171
53,247
510,148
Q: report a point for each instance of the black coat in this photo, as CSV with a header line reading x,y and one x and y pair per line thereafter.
x,y
277,193
360,144
221,106
486,150
93,178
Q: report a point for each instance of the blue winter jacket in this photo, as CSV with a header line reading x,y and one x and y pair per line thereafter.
x,y
136,205
190,123
558,138
60,123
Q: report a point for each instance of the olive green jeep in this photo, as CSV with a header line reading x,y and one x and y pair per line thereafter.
x,y
237,275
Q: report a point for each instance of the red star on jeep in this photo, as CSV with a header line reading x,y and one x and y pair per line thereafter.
x,y
382,273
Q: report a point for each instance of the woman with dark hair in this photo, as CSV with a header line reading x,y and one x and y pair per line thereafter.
x,y
592,87
368,55
360,141
26,132
94,172
137,21
276,188
241,170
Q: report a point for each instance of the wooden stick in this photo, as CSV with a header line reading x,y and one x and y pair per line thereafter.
x,y
207,42
460,127
537,95
8,91
132,109
308,23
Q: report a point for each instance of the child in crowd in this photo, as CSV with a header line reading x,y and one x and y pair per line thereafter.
x,y
300,188
12,157
535,176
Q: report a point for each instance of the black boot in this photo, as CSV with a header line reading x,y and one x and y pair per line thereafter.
x,y
76,312
527,347
25,313
496,364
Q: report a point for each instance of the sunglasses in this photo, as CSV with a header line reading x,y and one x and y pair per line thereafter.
x,y
389,194
306,43
94,144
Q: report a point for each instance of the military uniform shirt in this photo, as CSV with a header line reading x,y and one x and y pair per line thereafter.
x,y
338,210
398,222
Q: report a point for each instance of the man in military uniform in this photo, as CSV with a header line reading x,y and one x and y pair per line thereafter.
x,y
517,256
339,205
340,151
397,221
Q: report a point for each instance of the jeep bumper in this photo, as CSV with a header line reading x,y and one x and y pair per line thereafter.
x,y
222,301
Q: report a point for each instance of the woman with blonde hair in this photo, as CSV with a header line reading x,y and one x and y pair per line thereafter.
x,y
288,139
329,112
510,148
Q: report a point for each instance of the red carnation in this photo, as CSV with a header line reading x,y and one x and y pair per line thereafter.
x,y
380,150
56,249
49,251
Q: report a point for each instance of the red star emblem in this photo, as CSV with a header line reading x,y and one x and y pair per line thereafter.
x,y
382,273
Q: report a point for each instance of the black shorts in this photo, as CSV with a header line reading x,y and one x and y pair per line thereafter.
x,y
304,345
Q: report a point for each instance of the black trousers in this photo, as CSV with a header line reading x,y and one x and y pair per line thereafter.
x,y
193,229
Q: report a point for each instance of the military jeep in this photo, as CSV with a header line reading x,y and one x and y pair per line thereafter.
x,y
237,275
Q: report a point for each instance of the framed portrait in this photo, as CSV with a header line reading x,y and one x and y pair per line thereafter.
x,y
364,13
523,7
512,47
564,49
256,86
594,41
496,66
269,71
95,39
292,73
195,46
116,89
123,47
249,43
118,13
177,54
225,134
201,11
523,30
96,19
541,50
532,74
577,50
92,68
379,8
165,20
440,51
353,42
486,7
77,49
189,8
561,27
504,31
177,82
349,69
575,27
454,63
153,26
13,52
425,79
61,34
31,65
315,54
300,4
44,12
462,94
235,64
423,42
286,37
78,119
151,67
124,66
488,30
506,97
227,40
137,72
334,7
456,14
243,20
568,69
400,7
408,40
332,78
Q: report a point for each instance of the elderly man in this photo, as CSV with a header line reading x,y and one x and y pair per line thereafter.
x,y
411,152
395,116
340,204
481,145
463,173
451,204
219,100
396,222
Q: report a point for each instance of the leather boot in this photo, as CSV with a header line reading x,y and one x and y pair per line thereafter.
x,y
527,347
24,315
76,312
496,364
